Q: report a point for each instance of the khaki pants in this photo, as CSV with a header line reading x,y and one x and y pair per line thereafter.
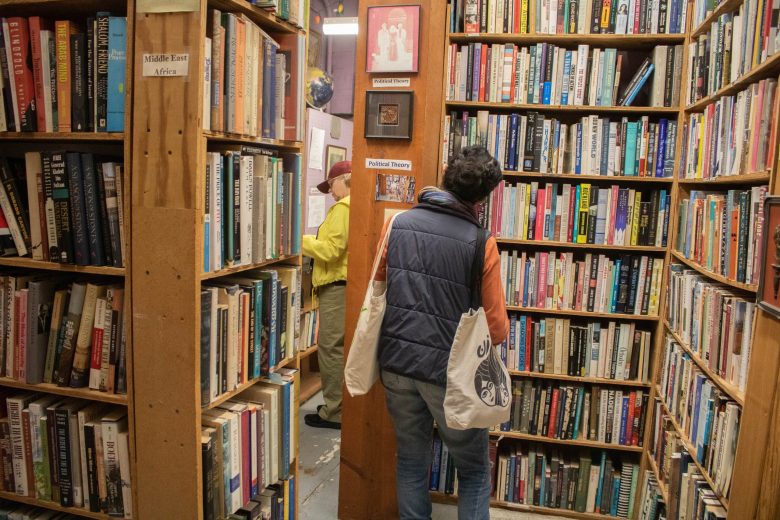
x,y
330,353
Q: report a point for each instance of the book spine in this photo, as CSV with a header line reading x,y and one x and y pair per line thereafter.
x,y
115,98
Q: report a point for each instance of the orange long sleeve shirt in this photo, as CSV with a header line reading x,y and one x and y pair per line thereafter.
x,y
493,300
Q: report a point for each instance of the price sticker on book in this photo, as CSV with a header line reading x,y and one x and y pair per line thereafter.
x,y
166,65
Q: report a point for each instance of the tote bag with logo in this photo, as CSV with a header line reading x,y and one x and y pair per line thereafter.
x,y
362,368
478,389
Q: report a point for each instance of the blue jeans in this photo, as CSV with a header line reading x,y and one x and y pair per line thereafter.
x,y
413,406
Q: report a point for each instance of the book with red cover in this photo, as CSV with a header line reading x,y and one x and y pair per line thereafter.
x,y
40,76
552,430
22,69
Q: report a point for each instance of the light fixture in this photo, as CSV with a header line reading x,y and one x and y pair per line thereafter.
x,y
340,26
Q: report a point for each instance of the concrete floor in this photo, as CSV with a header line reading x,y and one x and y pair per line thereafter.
x,y
319,476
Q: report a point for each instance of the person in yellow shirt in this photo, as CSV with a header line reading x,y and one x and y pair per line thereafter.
x,y
328,249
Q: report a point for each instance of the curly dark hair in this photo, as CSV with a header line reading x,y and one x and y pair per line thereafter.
x,y
472,174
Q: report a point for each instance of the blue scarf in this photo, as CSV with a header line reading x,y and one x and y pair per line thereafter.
x,y
436,198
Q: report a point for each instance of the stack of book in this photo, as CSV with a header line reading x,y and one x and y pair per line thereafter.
x,y
249,324
628,284
723,231
575,412
310,328
734,44
708,417
533,142
734,135
291,10
68,334
252,207
63,76
63,207
66,451
651,500
251,84
248,447
715,324
579,214
549,75
613,350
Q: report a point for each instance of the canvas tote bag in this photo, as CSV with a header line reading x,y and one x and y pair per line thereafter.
x,y
362,368
478,392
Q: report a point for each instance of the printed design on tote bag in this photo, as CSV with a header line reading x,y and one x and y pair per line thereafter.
x,y
490,381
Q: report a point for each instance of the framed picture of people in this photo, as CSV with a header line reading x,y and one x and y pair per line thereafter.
x,y
393,38
769,281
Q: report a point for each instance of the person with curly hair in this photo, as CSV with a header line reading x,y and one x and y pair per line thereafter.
x,y
427,266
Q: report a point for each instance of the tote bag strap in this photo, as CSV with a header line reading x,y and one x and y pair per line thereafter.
x,y
477,267
382,247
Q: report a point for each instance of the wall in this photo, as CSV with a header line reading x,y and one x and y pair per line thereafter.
x,y
336,55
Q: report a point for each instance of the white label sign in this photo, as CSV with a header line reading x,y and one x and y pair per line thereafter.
x,y
166,65
389,164
392,82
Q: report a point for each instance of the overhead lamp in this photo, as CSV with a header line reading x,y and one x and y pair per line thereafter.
x,y
340,26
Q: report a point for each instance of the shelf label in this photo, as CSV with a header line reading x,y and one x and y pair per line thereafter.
x,y
166,65
389,164
392,82
167,6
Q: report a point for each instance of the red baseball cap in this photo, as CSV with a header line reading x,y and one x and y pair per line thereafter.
x,y
337,170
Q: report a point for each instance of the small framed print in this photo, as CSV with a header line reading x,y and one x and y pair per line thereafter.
x,y
389,114
393,38
334,154
769,279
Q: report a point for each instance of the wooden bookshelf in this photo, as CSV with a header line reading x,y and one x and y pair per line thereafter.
x,y
578,109
543,439
29,263
310,385
53,506
117,137
226,137
584,314
228,271
623,41
260,16
717,277
743,179
609,179
580,379
572,245
723,7
654,468
729,389
79,393
308,352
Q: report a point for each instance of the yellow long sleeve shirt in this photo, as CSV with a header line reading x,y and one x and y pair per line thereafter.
x,y
329,247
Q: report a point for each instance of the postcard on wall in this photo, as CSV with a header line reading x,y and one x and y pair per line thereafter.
x,y
394,188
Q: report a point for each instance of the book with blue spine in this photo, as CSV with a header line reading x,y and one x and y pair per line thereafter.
x,y
661,154
630,164
117,64
613,286
578,151
207,221
566,74
513,126
638,87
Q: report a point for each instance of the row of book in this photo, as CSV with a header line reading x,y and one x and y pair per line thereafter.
x,y
612,350
706,415
735,43
252,81
723,231
733,135
248,445
293,11
63,207
581,214
628,284
569,17
310,328
715,324
252,207
67,451
63,76
249,324
55,331
550,75
574,412
593,145
651,499
690,497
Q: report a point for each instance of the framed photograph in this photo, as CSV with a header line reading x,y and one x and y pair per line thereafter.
x,y
393,38
334,154
389,114
769,279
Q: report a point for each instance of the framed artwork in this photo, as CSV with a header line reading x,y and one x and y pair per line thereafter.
x,y
389,114
394,188
334,154
769,279
393,38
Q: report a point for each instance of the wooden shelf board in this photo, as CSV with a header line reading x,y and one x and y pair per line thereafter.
x,y
586,314
571,245
569,442
768,68
55,266
718,278
241,268
578,379
730,390
308,352
654,469
691,450
284,363
62,136
311,383
612,40
261,17
555,177
563,108
229,395
251,140
453,499
80,393
77,511
747,178
723,7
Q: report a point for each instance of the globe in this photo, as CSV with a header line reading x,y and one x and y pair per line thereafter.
x,y
319,87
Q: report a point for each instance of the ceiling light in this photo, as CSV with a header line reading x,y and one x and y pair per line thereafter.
x,y
340,26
